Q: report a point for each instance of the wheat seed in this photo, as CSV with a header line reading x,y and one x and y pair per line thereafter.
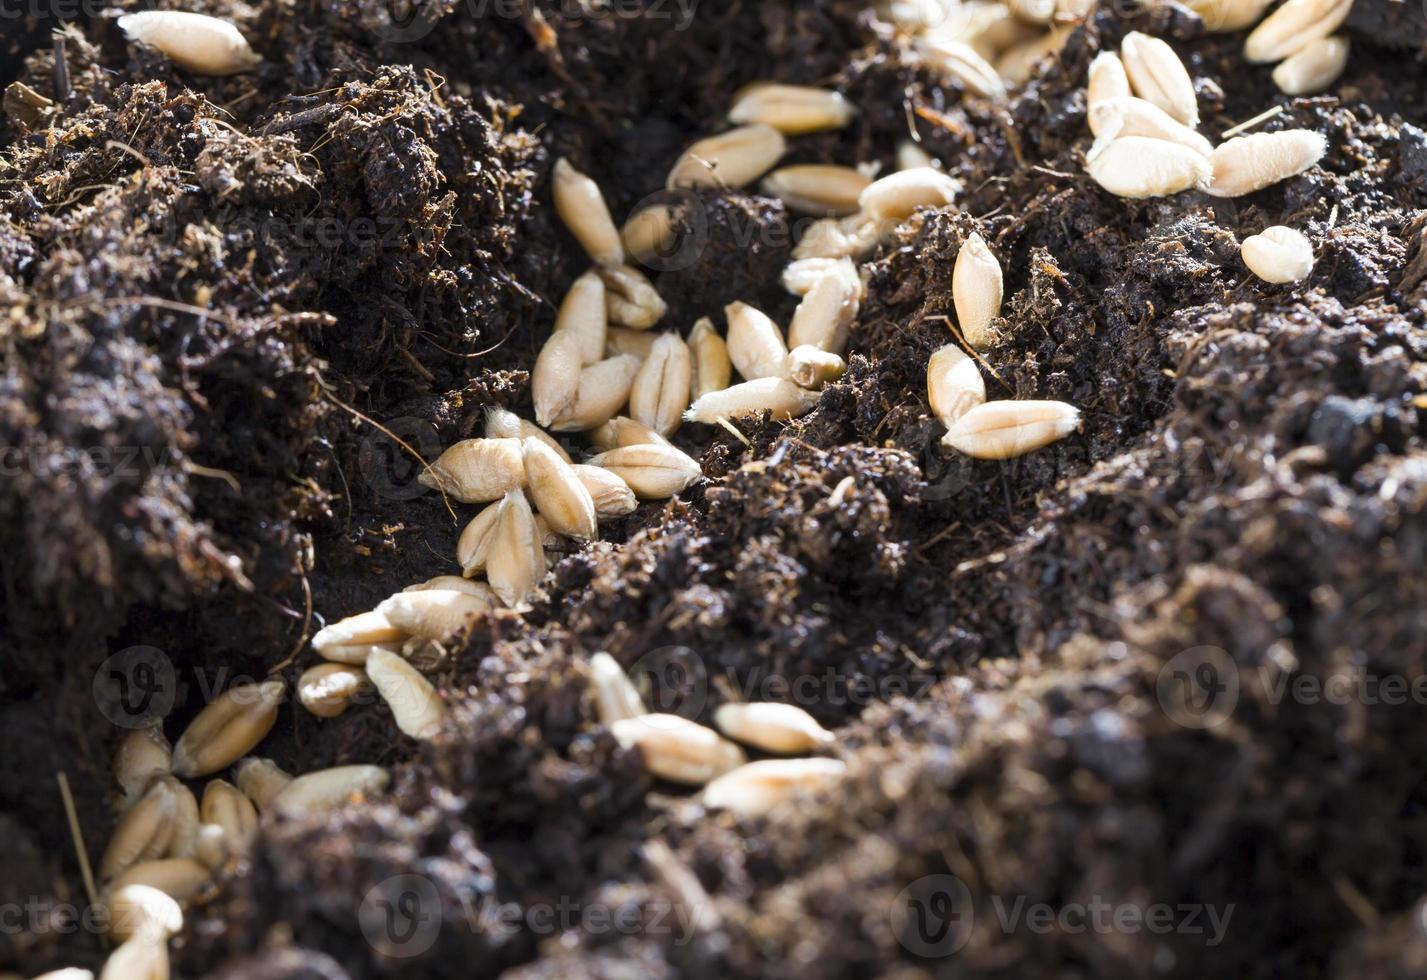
x,y
1250,163
799,277
611,494
558,494
772,727
615,696
581,206
228,808
603,390
733,159
415,705
260,780
1005,429
228,728
452,583
653,472
711,369
585,313
204,45
825,316
139,910
1037,12
811,367
1019,62
677,749
954,384
791,109
777,396
894,197
630,298
329,789
185,820
1157,75
1228,16
1278,255
754,789
976,290
624,431
555,379
137,959
1141,167
834,238
143,754
213,849
814,188
962,62
327,689
475,471
180,878
474,544
1113,118
517,558
1313,68
350,640
755,344
1294,26
433,614
652,233
910,156
504,424
1106,80
661,388
625,340
143,833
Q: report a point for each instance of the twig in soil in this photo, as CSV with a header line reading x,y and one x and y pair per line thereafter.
x,y
199,470
63,89
77,835
302,636
683,884
1262,117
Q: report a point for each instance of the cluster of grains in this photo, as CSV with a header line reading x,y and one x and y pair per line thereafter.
x,y
1142,110
168,842
682,751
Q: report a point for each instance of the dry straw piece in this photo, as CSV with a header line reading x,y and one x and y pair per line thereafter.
x,y
555,379
962,63
602,391
414,703
1228,16
772,727
180,878
585,313
611,494
582,208
1313,68
143,833
812,367
260,780
652,233
755,344
829,308
615,695
432,614
517,558
227,807
791,109
1250,163
351,640
976,290
140,910
1294,26
896,196
1157,75
815,188
1006,429
653,472
677,749
475,471
328,789
661,388
202,44
558,493
756,788
1130,116
142,755
1140,167
1106,80
1278,255
711,369
954,384
778,396
327,689
630,298
226,730
733,159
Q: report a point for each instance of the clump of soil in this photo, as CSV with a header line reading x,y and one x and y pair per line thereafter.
x,y
222,299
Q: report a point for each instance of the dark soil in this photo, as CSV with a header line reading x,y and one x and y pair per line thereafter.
x,y
220,299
